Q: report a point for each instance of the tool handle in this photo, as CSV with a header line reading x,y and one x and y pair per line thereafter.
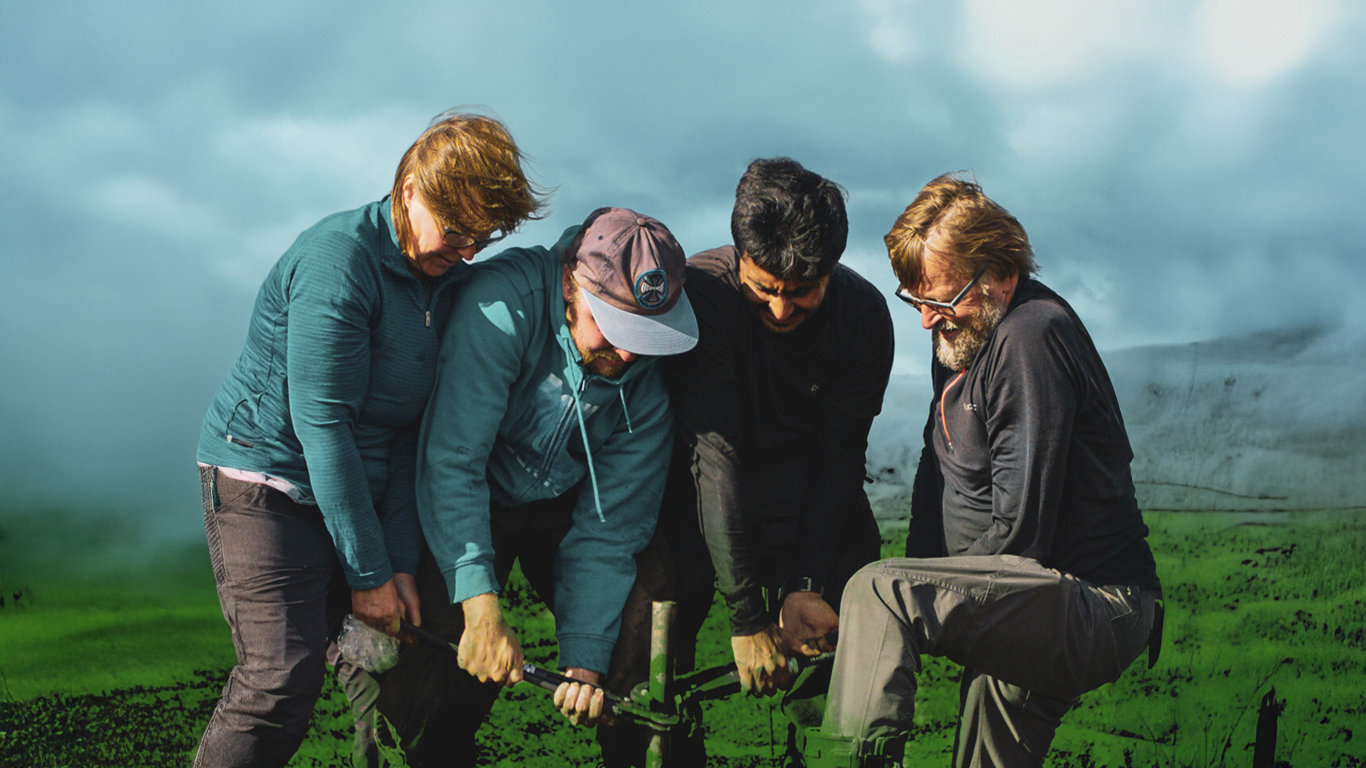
x,y
431,638
720,682
552,680
798,663
543,678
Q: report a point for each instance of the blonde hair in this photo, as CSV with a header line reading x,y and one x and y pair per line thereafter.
x,y
953,218
468,172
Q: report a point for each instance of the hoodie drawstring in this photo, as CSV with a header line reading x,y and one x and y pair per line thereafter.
x,y
583,429
625,411
588,453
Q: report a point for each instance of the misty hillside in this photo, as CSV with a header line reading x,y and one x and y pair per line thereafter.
x,y
1263,421
1267,421
1273,420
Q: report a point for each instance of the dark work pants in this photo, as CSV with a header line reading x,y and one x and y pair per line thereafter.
x,y
775,498
283,594
774,505
435,708
1032,640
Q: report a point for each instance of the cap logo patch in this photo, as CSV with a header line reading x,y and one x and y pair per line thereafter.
x,y
652,289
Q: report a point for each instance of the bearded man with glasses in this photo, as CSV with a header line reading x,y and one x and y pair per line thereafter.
x,y
1027,558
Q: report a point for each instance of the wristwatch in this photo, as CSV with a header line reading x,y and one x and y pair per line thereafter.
x,y
799,584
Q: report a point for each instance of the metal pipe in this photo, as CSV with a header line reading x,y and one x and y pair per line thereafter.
x,y
661,676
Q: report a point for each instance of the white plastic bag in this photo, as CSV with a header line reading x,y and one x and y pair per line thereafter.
x,y
365,646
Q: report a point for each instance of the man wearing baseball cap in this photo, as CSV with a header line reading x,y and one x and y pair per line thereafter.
x,y
546,440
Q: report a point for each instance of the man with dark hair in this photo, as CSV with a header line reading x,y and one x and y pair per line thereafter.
x,y
546,440
1027,558
790,222
773,407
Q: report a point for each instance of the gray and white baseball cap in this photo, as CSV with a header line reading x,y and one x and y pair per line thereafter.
x,y
630,270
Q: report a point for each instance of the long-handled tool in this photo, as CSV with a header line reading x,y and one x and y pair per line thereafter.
x,y
663,703
617,706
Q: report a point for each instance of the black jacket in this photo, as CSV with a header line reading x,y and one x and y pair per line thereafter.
x,y
1026,453
777,424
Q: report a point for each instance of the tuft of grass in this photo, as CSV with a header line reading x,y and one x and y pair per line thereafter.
x,y
1253,601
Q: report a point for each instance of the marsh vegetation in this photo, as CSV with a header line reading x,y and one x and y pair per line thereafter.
x,y
122,667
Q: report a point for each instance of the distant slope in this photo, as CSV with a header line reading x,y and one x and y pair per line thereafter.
x,y
1263,421
1272,420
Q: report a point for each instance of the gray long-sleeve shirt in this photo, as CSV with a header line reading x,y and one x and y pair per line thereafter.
x,y
1026,453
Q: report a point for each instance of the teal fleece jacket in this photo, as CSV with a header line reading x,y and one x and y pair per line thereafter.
x,y
329,389
514,418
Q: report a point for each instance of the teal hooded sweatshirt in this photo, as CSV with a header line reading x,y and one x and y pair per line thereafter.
x,y
515,418
328,391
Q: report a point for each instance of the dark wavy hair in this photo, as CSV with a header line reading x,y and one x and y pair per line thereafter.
x,y
789,221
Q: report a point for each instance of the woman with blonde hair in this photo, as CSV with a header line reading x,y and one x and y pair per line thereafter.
x,y
307,453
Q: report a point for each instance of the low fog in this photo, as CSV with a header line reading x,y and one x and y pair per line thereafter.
x,y
1273,420
1262,421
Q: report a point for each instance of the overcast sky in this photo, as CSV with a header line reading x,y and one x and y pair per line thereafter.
x,y
1186,170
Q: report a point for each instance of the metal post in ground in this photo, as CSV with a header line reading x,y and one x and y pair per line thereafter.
x,y
661,677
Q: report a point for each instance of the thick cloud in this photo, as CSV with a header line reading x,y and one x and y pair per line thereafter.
x,y
1186,171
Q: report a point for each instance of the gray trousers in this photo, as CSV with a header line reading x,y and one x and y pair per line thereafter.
x,y
1032,640
283,593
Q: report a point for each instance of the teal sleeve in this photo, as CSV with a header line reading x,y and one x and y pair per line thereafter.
x,y
595,566
331,299
480,358
398,508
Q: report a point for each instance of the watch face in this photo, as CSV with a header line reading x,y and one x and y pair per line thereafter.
x,y
801,584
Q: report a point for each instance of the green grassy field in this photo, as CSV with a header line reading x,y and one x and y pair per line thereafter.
x,y
103,668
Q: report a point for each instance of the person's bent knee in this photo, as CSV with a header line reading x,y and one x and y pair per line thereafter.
x,y
861,586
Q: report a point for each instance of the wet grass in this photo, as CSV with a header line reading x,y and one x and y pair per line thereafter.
x,y
123,669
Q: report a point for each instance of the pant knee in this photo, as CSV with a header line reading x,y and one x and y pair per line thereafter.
x,y
289,690
861,591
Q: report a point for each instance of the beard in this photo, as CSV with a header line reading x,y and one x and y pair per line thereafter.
x,y
973,333
605,364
